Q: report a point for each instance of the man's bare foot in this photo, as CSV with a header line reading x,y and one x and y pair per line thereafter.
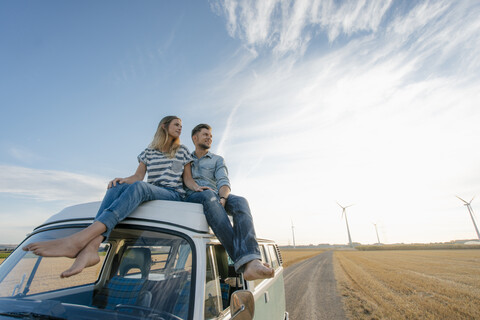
x,y
65,247
87,257
255,270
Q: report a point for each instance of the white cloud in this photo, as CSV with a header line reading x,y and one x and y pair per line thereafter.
x,y
50,185
386,121
30,196
288,26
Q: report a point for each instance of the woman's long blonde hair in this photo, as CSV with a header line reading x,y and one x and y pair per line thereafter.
x,y
161,138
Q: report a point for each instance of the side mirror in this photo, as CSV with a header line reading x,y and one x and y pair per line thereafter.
x,y
242,305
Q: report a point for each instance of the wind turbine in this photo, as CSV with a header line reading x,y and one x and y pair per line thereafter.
x,y
293,233
344,212
470,210
376,230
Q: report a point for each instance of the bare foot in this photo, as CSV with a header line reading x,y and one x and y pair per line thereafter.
x,y
255,269
65,247
87,257
69,246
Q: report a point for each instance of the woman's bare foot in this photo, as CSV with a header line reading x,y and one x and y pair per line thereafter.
x,y
65,247
87,257
255,270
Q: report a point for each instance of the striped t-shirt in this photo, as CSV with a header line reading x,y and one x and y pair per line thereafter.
x,y
163,171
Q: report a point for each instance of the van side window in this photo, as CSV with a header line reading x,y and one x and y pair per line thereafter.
x,y
262,253
273,256
213,296
265,259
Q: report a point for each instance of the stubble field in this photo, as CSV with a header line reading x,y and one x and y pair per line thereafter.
x,y
292,256
426,284
423,284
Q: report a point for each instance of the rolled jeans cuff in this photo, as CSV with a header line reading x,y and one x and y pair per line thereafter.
x,y
240,263
109,219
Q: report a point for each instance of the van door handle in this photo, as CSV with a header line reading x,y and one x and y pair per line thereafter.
x,y
267,297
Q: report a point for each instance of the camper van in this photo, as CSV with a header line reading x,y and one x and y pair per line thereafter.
x,y
162,262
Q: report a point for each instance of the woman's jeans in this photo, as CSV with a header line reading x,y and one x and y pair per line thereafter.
x,y
239,241
120,201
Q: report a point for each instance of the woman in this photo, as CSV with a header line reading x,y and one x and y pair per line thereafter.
x,y
167,164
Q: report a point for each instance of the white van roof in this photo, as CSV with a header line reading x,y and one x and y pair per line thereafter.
x,y
180,214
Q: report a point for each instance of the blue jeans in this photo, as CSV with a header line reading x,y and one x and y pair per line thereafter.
x,y
239,241
123,199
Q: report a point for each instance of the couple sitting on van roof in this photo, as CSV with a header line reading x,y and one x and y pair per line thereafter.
x,y
169,166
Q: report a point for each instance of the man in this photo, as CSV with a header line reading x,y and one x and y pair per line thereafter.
x,y
209,170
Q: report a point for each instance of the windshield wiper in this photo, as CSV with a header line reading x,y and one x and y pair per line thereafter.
x,y
30,315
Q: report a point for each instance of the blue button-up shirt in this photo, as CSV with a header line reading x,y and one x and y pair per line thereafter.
x,y
209,171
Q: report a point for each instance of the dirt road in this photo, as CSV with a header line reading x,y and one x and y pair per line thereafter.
x,y
310,290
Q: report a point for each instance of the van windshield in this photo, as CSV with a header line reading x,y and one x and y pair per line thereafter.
x,y
141,274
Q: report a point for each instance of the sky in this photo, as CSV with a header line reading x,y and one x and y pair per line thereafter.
x,y
313,104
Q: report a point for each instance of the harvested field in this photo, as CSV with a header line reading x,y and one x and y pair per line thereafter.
x,y
49,275
436,284
292,256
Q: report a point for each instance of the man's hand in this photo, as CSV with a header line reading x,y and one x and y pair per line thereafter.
x,y
223,201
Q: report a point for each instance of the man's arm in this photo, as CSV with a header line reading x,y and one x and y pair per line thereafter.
x,y
224,192
221,177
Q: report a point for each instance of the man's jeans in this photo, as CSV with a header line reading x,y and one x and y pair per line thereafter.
x,y
239,241
123,199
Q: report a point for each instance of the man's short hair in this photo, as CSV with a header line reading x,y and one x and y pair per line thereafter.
x,y
199,128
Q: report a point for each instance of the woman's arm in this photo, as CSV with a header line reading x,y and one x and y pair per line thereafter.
x,y
188,179
137,176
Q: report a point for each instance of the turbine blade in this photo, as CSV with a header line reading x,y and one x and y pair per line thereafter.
x,y
462,199
472,199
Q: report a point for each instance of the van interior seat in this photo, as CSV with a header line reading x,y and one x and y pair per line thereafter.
x,y
172,294
124,289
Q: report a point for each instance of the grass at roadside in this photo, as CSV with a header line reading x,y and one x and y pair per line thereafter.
x,y
431,284
292,256
4,255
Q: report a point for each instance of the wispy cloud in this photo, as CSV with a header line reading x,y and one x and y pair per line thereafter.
x,y
226,131
288,26
23,155
50,185
385,119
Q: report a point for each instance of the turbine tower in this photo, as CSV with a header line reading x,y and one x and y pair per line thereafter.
x,y
470,210
344,212
376,230
293,233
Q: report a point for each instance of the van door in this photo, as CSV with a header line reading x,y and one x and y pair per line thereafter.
x,y
269,293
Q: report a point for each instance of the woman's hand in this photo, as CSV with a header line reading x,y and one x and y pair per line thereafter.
x,y
200,189
137,176
114,182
